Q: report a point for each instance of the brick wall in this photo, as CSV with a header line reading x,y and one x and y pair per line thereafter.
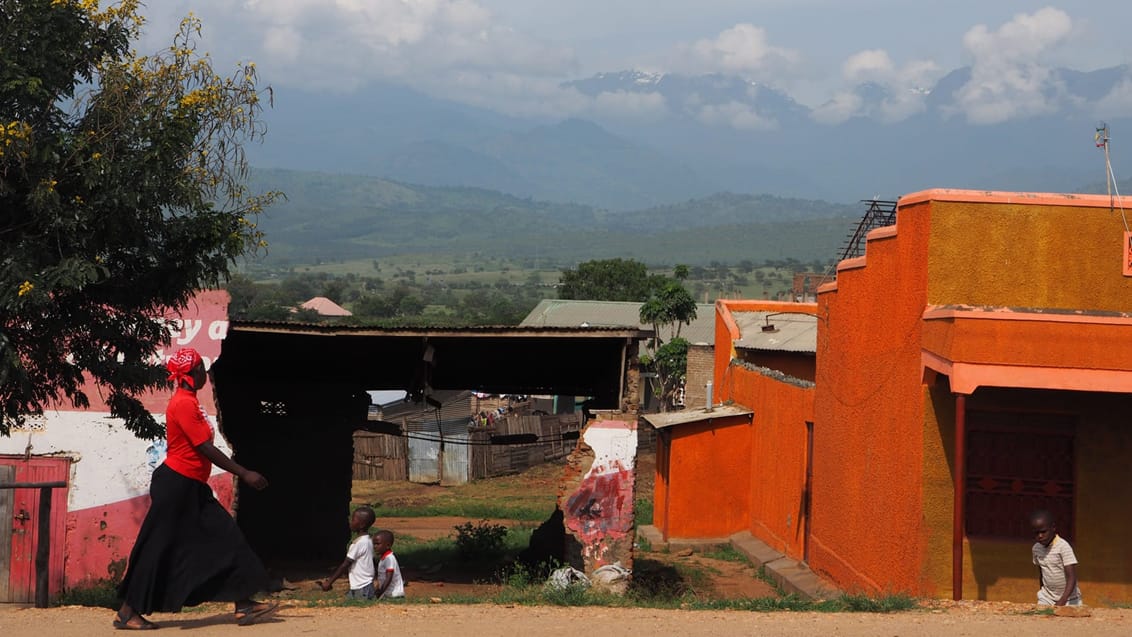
x,y
700,365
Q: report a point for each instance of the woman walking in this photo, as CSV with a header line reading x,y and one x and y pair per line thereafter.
x,y
189,549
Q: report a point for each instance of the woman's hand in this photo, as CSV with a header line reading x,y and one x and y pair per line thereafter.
x,y
254,479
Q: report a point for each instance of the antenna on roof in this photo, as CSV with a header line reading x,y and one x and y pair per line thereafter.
x,y
1101,140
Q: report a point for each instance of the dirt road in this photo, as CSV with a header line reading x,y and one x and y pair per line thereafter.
x,y
409,620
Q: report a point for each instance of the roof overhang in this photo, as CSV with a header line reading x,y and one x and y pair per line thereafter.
x,y
674,418
495,359
1027,348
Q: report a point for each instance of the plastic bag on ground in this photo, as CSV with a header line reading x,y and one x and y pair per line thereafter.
x,y
565,577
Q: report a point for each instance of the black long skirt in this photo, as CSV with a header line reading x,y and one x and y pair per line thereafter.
x,y
189,551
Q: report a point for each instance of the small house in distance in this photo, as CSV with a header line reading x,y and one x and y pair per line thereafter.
x,y
325,307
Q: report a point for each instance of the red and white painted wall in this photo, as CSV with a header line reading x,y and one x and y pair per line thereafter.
x,y
95,520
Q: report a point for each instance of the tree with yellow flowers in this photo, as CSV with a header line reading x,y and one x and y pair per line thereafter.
x,y
121,194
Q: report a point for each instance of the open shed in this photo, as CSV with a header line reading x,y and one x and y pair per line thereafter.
x,y
290,396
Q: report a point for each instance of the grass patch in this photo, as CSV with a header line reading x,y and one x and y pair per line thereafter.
x,y
100,594
727,553
764,575
423,554
1038,611
475,510
889,603
642,512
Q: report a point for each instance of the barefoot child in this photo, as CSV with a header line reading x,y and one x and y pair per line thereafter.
x,y
359,557
389,582
1057,565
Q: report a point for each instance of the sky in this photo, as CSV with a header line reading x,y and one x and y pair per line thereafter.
x,y
512,56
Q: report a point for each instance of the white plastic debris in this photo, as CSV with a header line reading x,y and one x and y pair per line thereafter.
x,y
612,577
566,577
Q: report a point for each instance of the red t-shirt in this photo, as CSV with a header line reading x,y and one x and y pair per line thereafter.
x,y
185,428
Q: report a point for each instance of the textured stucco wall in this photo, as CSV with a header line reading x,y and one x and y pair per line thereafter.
x,y
708,479
1030,253
777,455
867,527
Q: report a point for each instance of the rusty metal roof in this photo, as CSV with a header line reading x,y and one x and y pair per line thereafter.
x,y
790,331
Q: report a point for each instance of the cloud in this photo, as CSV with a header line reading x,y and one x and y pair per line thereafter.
x,y
340,44
1009,78
1118,100
881,89
743,49
735,115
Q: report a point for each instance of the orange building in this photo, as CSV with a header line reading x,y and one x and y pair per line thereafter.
x,y
995,324
764,359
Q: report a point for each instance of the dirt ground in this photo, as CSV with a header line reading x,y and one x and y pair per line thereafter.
x,y
424,620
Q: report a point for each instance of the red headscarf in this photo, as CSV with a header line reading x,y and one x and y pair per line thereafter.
x,y
180,364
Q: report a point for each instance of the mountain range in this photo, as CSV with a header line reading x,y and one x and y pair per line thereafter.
x,y
705,134
334,218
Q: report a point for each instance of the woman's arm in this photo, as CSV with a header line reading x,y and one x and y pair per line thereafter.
x,y
220,459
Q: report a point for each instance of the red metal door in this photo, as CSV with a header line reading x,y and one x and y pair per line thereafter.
x,y
25,521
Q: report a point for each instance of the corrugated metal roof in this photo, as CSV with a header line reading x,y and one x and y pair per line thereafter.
x,y
605,314
439,330
793,332
673,418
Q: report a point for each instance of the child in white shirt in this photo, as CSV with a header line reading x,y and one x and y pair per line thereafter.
x,y
359,558
389,581
1056,562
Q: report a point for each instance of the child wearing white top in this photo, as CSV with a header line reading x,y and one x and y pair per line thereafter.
x,y
389,581
1056,562
359,558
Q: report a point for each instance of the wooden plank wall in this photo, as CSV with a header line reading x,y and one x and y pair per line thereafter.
x,y
380,457
385,457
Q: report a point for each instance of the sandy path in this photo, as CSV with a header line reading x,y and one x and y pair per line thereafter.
x,y
408,620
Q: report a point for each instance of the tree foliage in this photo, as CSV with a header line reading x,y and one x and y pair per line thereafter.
x,y
606,280
121,194
670,305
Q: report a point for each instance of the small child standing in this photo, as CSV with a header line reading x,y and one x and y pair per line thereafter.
x,y
1057,565
389,581
359,557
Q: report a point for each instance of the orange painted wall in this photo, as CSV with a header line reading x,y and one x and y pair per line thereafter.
x,y
777,454
1034,251
1051,251
796,364
867,527
708,475
883,441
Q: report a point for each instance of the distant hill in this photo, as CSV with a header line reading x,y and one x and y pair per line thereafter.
x,y
706,134
338,217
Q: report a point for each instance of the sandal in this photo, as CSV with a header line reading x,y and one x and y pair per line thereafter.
x,y
249,615
124,624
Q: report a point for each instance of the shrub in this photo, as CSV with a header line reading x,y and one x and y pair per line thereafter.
x,y
480,541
